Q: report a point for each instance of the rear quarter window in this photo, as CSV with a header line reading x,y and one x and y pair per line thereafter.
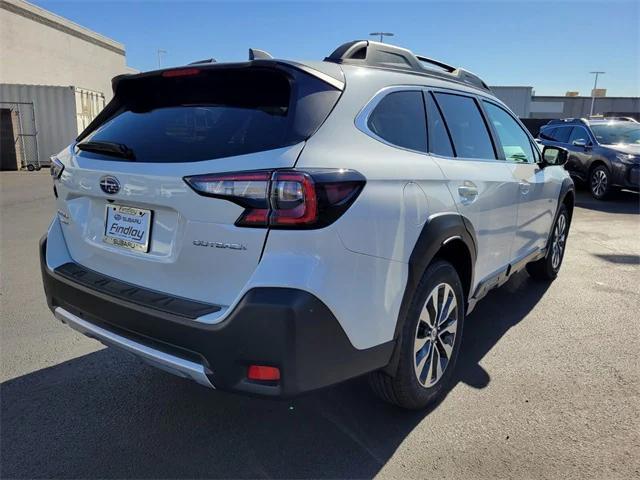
x,y
400,120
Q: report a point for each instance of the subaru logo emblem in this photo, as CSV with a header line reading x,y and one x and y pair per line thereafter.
x,y
109,185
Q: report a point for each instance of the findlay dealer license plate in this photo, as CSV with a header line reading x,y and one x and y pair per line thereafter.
x,y
128,227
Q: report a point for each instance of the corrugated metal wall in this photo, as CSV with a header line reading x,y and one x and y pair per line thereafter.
x,y
55,114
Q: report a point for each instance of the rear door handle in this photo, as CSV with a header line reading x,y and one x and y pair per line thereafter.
x,y
468,192
524,187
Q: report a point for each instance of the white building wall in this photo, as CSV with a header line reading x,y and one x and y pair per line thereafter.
x,y
38,47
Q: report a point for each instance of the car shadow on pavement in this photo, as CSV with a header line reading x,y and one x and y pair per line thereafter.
x,y
105,415
623,201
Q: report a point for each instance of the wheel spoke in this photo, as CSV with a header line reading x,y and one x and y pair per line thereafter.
x,y
425,317
423,369
449,302
451,327
438,365
446,348
419,344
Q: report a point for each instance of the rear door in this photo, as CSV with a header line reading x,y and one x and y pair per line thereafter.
x,y
481,185
128,211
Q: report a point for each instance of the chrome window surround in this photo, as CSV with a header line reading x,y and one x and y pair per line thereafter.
x,y
362,118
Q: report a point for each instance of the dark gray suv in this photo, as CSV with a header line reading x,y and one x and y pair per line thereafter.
x,y
603,153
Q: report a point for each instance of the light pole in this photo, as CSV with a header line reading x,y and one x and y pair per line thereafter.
x,y
593,92
160,53
381,35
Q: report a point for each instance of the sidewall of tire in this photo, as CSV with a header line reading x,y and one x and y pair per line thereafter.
x,y
412,394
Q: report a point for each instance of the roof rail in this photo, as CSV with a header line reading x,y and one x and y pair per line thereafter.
x,y
383,55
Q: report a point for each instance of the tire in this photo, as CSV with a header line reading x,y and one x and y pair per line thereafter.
x,y
547,268
405,389
31,168
600,182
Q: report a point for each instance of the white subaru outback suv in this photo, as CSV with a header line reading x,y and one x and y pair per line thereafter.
x,y
273,227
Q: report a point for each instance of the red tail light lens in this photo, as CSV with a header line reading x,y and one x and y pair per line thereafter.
x,y
293,199
284,198
247,189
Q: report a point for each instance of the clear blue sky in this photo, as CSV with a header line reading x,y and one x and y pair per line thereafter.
x,y
548,45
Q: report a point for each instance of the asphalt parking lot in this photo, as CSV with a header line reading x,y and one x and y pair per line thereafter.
x,y
548,385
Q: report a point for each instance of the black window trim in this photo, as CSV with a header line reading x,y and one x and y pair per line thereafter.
x,y
426,92
488,126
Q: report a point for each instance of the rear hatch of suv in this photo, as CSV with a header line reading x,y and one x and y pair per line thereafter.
x,y
127,210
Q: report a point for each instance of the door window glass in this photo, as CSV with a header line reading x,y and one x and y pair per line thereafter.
x,y
466,125
578,134
561,134
515,143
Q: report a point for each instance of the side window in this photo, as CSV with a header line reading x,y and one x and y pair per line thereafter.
x,y
516,145
466,125
578,134
548,133
439,142
562,134
399,119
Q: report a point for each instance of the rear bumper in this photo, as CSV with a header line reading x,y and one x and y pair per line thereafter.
x,y
282,327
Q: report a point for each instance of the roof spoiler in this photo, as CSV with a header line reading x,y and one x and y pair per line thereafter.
x,y
384,55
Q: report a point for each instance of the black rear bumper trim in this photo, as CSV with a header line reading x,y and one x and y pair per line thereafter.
x,y
283,327
133,293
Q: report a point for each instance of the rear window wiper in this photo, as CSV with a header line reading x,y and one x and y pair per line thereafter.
x,y
108,148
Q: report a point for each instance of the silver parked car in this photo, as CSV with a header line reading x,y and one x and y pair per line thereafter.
x,y
273,227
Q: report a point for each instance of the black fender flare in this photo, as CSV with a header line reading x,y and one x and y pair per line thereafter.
x,y
436,233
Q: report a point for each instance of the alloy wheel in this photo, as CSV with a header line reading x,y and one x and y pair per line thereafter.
x,y
435,335
558,243
599,182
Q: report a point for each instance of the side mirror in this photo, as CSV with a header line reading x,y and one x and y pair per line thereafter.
x,y
554,156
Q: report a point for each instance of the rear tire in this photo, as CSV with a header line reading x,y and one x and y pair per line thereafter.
x,y
547,268
429,342
31,168
600,182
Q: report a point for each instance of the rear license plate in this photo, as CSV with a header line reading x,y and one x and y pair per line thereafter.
x,y
128,227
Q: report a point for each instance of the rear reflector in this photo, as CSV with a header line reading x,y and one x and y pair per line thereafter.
x,y
284,198
263,373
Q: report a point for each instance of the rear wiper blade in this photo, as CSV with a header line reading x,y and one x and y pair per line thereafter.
x,y
108,148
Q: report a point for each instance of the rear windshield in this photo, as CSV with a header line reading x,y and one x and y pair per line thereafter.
x,y
213,114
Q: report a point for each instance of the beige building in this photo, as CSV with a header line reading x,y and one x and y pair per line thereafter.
x,y
38,47
55,77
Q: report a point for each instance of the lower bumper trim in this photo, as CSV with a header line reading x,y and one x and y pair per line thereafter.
x,y
165,361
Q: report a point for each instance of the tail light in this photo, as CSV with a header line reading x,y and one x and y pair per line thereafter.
x,y
284,198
